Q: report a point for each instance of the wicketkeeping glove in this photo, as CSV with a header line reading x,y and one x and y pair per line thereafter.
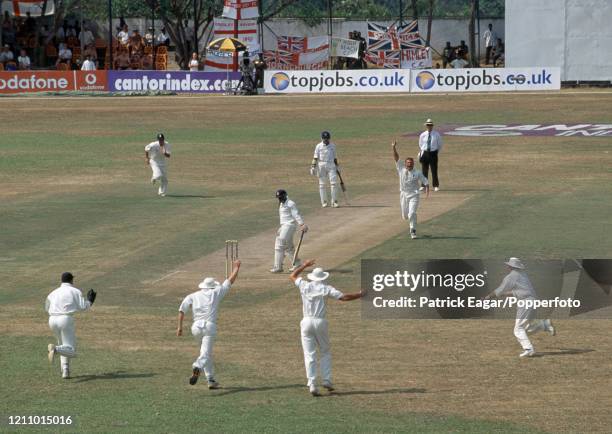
x,y
91,296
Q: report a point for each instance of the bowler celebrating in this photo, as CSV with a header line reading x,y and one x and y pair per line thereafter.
x,y
409,179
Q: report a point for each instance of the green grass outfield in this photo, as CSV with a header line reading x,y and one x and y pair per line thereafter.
x,y
76,196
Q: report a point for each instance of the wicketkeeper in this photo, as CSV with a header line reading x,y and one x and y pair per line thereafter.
x,y
325,166
61,305
205,307
290,218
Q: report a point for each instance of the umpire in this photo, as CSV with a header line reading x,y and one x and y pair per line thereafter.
x,y
430,144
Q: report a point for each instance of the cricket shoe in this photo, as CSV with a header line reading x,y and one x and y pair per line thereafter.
x,y
324,205
66,374
161,194
335,205
313,390
212,384
527,353
329,386
276,270
413,234
194,376
549,327
422,189
51,351
436,188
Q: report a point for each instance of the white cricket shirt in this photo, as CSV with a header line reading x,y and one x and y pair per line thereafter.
x,y
325,153
205,302
518,284
410,180
66,300
314,295
155,152
289,213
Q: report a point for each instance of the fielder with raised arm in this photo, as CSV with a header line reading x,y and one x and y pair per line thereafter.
x,y
517,284
155,156
205,306
325,166
290,218
313,326
61,305
409,179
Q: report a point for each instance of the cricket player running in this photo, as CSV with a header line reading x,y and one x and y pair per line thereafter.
x,y
289,220
517,284
325,166
409,179
155,156
314,324
61,305
205,306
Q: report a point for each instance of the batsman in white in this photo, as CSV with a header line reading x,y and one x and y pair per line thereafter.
x,y
155,156
517,284
325,166
314,324
205,306
290,218
409,179
61,305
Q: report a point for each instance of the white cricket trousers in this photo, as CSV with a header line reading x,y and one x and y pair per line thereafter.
x,y
159,174
409,203
283,245
525,324
62,327
314,334
327,172
207,331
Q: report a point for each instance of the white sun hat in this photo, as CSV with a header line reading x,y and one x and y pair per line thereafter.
x,y
208,283
429,122
515,263
318,274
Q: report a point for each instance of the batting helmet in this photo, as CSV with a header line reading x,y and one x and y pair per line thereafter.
x,y
281,195
325,135
160,136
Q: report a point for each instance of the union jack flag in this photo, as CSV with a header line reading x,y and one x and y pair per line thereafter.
x,y
292,44
382,38
384,58
278,58
409,36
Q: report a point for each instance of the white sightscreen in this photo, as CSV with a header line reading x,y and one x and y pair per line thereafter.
x,y
575,35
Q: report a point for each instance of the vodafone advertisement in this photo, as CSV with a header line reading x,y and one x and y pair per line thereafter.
x,y
52,81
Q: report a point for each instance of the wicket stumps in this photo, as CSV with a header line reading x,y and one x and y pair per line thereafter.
x,y
231,254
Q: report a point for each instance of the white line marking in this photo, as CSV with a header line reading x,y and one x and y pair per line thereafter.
x,y
166,276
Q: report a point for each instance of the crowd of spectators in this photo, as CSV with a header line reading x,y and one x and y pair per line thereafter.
x,y
457,57
72,47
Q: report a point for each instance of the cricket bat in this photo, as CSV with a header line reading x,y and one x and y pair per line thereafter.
x,y
297,249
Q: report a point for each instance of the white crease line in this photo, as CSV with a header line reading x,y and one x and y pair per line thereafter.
x,y
166,276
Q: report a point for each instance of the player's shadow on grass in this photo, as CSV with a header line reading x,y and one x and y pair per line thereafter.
x,y
366,206
443,237
190,196
117,375
240,389
564,352
378,392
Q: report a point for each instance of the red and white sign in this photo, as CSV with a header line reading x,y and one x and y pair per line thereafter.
x,y
240,9
244,30
19,8
220,61
52,81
